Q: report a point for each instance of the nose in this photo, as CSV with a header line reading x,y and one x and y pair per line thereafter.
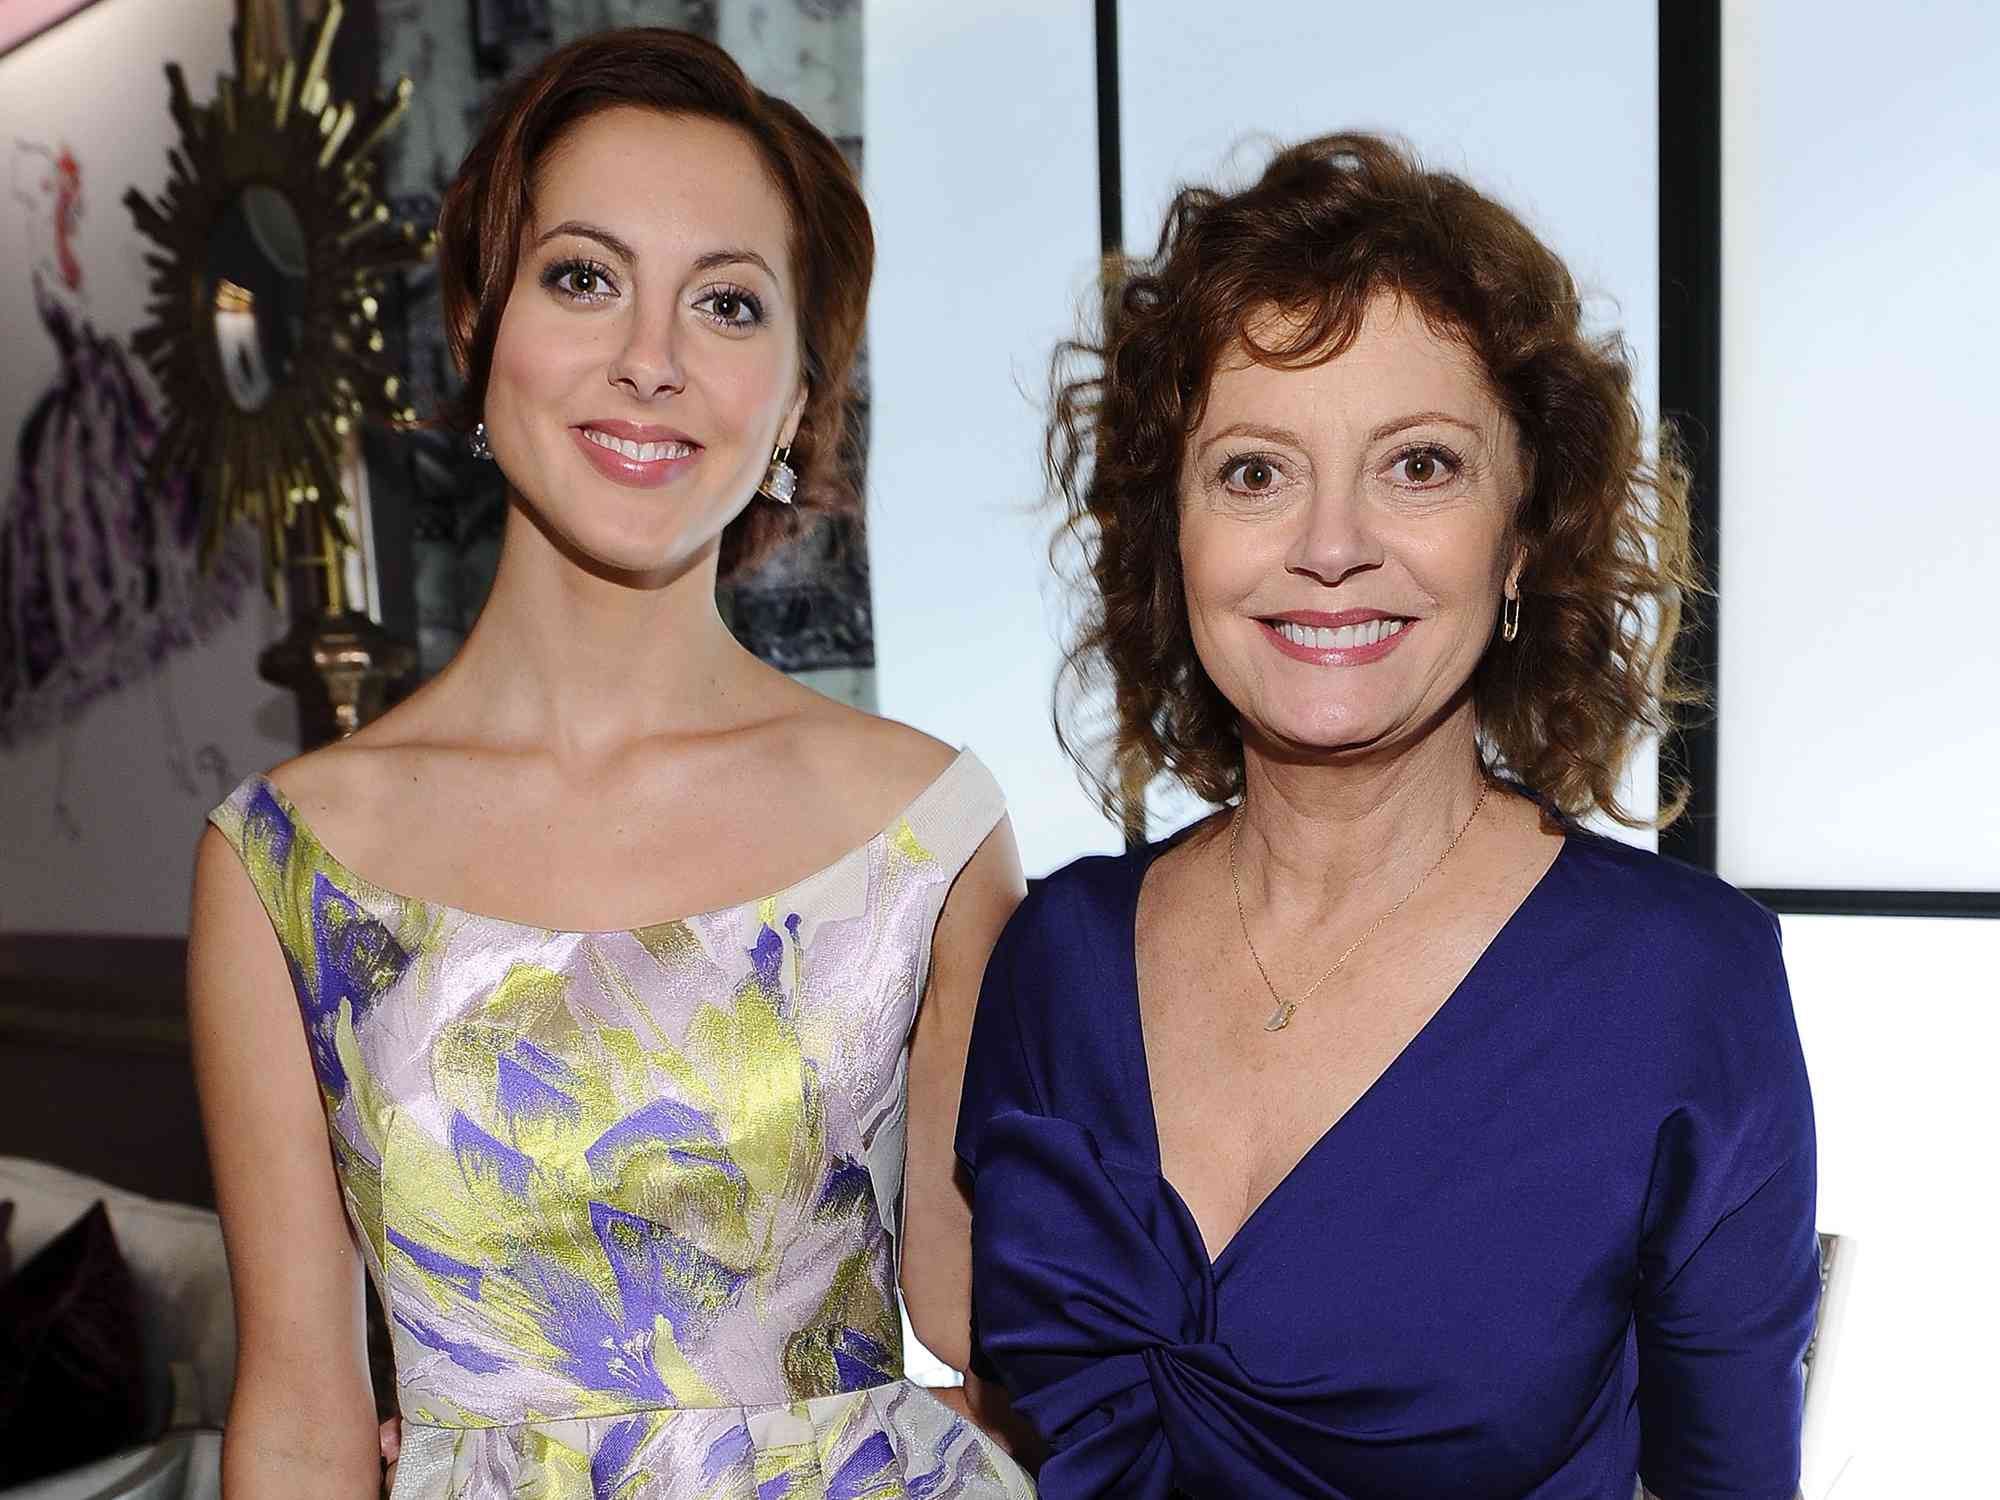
x,y
1335,538
648,362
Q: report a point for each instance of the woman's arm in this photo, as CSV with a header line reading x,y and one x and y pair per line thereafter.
x,y
301,1424
1729,1261
937,1214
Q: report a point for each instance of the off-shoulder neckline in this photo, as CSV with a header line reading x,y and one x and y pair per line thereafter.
x,y
363,885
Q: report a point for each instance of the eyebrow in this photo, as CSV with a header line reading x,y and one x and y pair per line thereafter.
x,y
718,258
585,231
1418,419
1385,429
713,260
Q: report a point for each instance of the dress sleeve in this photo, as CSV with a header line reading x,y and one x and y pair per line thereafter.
x,y
997,1078
261,829
1729,1260
941,831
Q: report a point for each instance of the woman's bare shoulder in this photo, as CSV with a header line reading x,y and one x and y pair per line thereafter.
x,y
368,769
874,765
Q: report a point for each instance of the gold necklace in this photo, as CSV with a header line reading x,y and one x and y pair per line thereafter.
x,y
1282,1016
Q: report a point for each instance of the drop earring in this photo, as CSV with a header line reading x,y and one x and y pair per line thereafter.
x,y
481,448
781,480
1510,617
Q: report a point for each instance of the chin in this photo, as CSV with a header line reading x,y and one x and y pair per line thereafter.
x,y
1328,734
633,556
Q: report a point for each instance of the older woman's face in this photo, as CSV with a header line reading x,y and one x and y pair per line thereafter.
x,y
648,357
1346,536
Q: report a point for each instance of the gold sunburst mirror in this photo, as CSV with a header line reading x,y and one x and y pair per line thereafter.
x,y
266,291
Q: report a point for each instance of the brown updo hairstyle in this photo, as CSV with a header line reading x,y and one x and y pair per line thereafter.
x,y
1331,223
489,206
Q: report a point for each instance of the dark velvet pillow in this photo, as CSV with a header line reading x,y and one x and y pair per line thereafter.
x,y
72,1358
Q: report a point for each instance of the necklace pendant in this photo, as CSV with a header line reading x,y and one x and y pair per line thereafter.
x,y
1282,1016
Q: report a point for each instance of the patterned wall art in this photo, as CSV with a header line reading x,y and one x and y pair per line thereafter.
x,y
99,582
128,695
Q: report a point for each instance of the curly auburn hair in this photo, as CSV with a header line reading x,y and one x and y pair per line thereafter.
x,y
489,205
1332,223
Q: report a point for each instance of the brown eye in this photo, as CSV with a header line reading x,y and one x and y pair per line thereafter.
x,y
1251,476
580,281
731,307
1424,469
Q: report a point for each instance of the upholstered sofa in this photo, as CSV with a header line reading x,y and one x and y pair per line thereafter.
x,y
188,1328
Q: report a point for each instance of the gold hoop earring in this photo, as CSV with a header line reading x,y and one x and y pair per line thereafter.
x,y
1510,617
781,480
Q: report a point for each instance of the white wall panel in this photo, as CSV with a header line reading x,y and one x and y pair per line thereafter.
x,y
1553,109
1860,679
982,175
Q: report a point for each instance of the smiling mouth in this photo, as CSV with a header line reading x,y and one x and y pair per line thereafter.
x,y
644,453
1340,637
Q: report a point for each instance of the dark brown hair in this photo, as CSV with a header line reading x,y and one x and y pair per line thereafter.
x,y
1330,224
489,205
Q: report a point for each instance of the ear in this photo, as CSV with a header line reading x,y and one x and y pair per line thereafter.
x,y
788,430
1515,568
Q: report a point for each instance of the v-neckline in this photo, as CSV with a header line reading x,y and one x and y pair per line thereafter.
x,y
1135,1018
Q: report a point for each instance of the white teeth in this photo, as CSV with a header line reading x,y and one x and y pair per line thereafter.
x,y
1344,638
644,453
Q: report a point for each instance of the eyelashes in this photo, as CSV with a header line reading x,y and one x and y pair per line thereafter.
x,y
592,279
1250,473
1436,456
1419,468
729,306
732,306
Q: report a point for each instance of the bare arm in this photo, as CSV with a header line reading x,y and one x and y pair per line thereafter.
x,y
301,1424
937,1215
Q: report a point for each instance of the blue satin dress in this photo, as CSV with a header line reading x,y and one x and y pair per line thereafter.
x,y
1566,1238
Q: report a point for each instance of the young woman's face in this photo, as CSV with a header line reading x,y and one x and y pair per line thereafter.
x,y
1346,536
648,357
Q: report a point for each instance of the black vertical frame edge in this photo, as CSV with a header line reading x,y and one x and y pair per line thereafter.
x,y
1110,165
1690,167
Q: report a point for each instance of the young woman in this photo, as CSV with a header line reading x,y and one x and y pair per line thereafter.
x,y
630,1182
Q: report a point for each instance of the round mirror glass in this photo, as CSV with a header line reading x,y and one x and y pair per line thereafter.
x,y
255,293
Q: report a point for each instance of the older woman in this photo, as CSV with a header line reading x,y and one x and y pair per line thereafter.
x,y
1384,1133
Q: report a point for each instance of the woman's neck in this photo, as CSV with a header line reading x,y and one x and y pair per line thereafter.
x,y
569,659
1316,834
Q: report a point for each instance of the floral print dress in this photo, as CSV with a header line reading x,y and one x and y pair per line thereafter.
x,y
631,1198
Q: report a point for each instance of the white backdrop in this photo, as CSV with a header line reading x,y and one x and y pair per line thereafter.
x,y
1860,684
1860,674
982,176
